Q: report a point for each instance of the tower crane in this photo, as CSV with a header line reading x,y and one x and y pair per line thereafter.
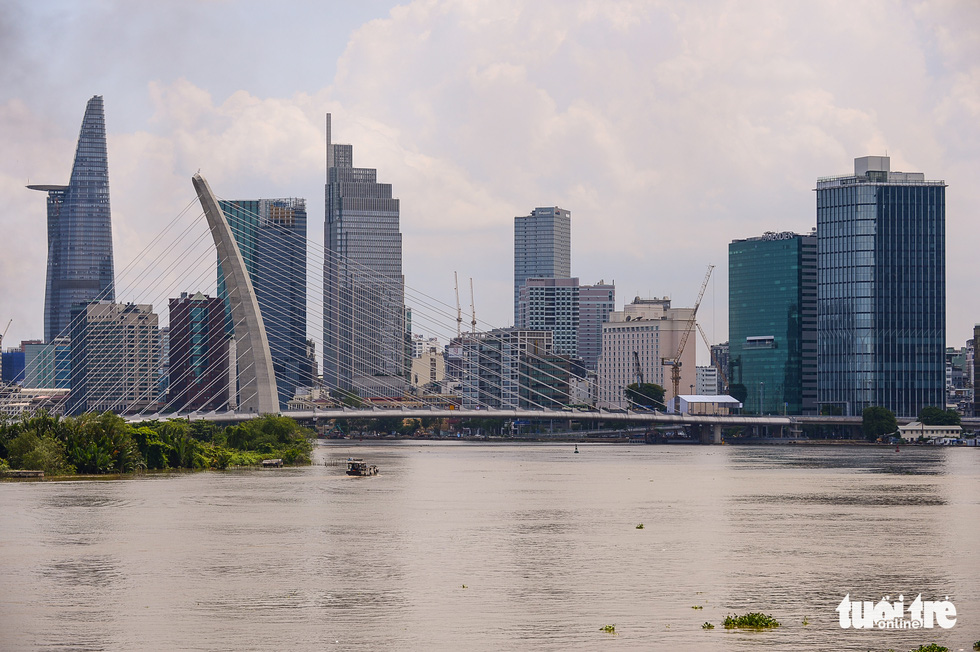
x,y
675,362
459,310
4,334
714,361
472,306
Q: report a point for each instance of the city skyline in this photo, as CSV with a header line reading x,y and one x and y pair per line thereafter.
x,y
656,193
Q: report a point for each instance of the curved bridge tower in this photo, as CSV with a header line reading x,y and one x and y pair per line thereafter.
x,y
257,380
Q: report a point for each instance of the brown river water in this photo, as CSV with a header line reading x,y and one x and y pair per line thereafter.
x,y
462,546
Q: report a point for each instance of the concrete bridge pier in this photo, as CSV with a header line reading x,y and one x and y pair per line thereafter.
x,y
711,434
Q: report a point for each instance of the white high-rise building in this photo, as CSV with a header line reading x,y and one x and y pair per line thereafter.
x,y
707,381
642,335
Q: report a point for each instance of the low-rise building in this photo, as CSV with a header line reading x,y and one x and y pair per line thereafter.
x,y
916,430
713,405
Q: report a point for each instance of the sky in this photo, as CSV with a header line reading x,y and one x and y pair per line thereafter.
x,y
667,128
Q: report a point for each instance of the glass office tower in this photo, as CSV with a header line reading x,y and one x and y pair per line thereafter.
x,y
881,289
364,345
271,234
79,229
772,322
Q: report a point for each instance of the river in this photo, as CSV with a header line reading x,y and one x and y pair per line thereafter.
x,y
462,546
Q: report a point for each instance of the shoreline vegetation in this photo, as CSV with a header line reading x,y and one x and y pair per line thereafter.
x,y
103,445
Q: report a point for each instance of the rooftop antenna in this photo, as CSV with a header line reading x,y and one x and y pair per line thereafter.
x,y
472,305
459,310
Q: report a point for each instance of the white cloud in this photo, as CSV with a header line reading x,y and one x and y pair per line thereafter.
x,y
668,129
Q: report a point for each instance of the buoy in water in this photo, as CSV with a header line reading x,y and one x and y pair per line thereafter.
x,y
576,448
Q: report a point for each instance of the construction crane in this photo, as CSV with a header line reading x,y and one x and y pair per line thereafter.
x,y
5,331
714,361
472,306
459,310
675,362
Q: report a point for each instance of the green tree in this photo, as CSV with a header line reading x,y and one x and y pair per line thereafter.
x,y
29,451
877,421
934,416
646,395
409,427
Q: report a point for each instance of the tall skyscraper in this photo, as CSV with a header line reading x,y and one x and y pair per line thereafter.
x,y
79,229
542,249
596,302
364,334
114,363
881,289
271,234
772,322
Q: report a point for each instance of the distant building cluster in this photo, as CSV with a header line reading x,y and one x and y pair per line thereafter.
x,y
847,316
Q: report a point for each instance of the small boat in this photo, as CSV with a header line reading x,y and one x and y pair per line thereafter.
x,y
357,466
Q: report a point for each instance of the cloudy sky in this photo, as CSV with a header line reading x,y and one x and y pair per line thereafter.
x,y
667,128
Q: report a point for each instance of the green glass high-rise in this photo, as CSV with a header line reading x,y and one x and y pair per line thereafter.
x,y
271,235
772,322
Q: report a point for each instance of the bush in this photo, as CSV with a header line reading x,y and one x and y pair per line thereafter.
x,y
753,620
28,451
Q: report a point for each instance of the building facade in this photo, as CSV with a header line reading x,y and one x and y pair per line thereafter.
x,y
707,383
364,331
721,359
881,289
428,368
271,235
545,381
772,322
198,354
47,365
596,303
80,266
12,363
491,365
552,304
542,249
635,342
114,363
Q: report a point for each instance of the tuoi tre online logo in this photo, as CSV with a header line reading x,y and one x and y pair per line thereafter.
x,y
890,615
